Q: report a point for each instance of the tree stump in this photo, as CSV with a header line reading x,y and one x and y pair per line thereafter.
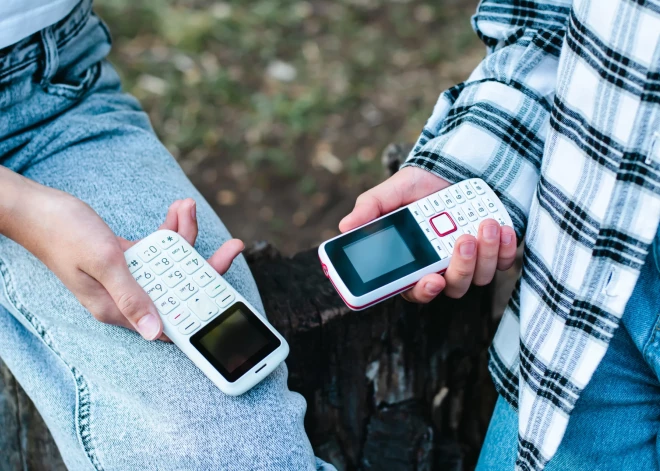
x,y
396,387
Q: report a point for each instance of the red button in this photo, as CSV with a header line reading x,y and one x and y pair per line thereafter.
x,y
325,270
443,224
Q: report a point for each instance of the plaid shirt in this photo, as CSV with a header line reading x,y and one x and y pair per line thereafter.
x,y
562,120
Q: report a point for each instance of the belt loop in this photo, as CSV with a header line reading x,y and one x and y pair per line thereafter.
x,y
51,56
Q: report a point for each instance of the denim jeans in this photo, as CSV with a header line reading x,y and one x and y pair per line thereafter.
x,y
112,400
616,421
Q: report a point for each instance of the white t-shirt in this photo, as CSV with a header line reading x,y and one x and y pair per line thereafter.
x,y
21,18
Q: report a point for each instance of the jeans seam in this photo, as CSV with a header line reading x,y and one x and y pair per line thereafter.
x,y
83,395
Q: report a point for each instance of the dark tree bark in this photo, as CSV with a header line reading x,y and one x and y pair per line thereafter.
x,y
396,387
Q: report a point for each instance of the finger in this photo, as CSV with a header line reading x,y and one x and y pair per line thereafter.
x,y
488,247
164,338
131,300
372,204
187,218
172,218
101,305
507,253
426,289
407,185
461,268
222,258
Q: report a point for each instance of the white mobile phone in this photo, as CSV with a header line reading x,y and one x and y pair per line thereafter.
x,y
390,254
228,339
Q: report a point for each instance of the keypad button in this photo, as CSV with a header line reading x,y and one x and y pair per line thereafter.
x,y
443,224
470,229
203,307
225,300
419,215
500,219
185,290
428,232
166,303
133,263
492,207
192,264
204,277
144,276
189,326
174,277
446,197
156,290
161,264
479,208
467,190
180,252
167,240
449,244
458,194
216,288
439,248
179,315
470,213
459,217
478,187
426,207
148,252
437,203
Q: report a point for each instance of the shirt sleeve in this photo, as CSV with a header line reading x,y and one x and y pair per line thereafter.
x,y
494,124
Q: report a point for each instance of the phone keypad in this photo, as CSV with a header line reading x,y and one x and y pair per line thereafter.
x,y
454,211
186,290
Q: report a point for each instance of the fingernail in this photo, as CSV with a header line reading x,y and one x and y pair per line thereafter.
x,y
467,248
148,326
490,232
193,211
507,238
431,288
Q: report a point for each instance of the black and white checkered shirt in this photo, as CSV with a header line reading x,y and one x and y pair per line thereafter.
x,y
562,120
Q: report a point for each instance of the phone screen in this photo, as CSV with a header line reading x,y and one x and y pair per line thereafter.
x,y
366,255
381,252
235,341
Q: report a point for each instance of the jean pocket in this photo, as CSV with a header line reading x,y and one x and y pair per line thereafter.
x,y
73,87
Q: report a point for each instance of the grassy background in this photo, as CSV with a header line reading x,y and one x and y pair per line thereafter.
x,y
279,110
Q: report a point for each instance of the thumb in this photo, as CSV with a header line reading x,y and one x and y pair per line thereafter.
x,y
132,301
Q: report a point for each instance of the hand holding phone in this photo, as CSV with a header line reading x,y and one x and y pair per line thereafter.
x,y
474,260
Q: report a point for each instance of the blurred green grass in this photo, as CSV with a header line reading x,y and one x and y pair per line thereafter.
x,y
278,110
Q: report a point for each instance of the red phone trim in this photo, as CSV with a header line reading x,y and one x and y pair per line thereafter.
x,y
443,233
327,274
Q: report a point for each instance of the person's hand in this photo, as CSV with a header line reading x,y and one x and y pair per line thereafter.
x,y
474,260
74,242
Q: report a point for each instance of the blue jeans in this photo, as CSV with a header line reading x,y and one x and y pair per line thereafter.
x,y
616,421
112,400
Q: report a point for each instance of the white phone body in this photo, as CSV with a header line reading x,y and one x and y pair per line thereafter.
x,y
348,260
203,301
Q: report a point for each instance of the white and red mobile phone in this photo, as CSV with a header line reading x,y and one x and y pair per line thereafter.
x,y
390,254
